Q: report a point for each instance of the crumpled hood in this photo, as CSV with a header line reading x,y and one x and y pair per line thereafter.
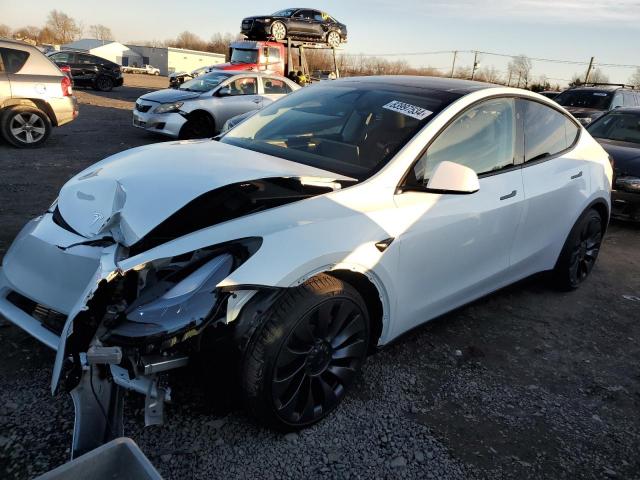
x,y
626,156
169,95
125,196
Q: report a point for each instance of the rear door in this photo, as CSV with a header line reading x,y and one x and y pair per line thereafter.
x,y
556,185
273,89
86,67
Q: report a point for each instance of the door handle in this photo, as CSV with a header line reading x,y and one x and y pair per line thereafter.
x,y
256,100
509,195
577,175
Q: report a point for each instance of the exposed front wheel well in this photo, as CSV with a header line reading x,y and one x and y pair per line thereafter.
x,y
371,296
601,207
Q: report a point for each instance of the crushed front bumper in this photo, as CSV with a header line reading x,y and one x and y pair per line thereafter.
x,y
168,124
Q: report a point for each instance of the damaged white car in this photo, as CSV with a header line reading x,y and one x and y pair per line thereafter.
x,y
323,226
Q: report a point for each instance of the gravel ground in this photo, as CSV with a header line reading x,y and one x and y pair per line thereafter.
x,y
526,383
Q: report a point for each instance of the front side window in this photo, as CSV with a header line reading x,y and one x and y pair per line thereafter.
x,y
244,86
85,60
274,54
629,99
284,13
620,126
13,60
547,132
483,138
351,129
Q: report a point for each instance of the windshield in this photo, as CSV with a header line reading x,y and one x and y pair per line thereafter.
x,y
585,99
284,13
351,129
620,126
204,83
241,55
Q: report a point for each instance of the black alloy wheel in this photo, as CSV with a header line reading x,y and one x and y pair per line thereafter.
x,y
319,361
305,353
580,251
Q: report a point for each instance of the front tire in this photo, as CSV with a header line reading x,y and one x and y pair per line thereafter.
x,y
24,126
305,354
199,125
278,31
333,39
580,251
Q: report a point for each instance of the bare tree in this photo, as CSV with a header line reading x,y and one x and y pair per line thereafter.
x,y
219,43
65,28
490,75
519,69
27,34
635,78
5,31
46,35
598,76
100,32
188,40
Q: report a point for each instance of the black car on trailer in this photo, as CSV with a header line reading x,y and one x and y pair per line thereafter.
x,y
296,24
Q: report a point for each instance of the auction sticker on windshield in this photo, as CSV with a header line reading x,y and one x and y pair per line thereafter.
x,y
408,109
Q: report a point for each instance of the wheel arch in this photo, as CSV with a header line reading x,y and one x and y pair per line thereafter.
x,y
372,297
35,103
201,111
600,205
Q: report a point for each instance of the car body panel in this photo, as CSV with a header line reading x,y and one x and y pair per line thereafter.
x,y
304,23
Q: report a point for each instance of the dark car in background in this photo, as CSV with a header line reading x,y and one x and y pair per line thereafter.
x,y
592,100
296,24
619,134
88,70
550,94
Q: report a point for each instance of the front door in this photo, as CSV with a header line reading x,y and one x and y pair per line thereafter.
x,y
456,248
243,97
5,86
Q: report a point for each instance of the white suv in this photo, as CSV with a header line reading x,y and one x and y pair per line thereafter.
x,y
34,95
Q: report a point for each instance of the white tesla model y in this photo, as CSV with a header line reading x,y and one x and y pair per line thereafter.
x,y
323,226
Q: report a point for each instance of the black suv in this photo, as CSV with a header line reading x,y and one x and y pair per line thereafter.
x,y
88,70
590,101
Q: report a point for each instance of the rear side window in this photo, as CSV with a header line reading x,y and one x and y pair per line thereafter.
x,y
547,132
617,100
85,60
629,99
62,57
275,86
13,60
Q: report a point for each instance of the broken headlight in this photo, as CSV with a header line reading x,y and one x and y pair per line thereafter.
x,y
178,297
628,183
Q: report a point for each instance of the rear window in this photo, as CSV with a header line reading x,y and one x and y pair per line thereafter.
x,y
13,60
547,132
598,99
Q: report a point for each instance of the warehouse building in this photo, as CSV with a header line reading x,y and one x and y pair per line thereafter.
x,y
171,60
167,59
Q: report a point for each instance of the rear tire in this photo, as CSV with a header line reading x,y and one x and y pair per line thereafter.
x,y
24,126
305,354
104,83
580,251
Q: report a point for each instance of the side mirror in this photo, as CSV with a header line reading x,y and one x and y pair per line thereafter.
x,y
450,177
224,92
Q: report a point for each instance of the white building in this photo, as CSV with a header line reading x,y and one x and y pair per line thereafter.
x,y
167,59
114,51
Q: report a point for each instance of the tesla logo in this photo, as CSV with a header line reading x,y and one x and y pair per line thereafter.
x,y
96,218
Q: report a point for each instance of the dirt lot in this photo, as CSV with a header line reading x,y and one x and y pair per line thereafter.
x,y
527,383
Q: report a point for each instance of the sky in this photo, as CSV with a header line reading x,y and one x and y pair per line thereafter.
x,y
575,30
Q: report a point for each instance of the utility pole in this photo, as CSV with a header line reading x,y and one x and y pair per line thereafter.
x,y
586,77
475,64
453,66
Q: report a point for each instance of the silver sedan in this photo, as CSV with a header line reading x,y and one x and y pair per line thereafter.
x,y
200,107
